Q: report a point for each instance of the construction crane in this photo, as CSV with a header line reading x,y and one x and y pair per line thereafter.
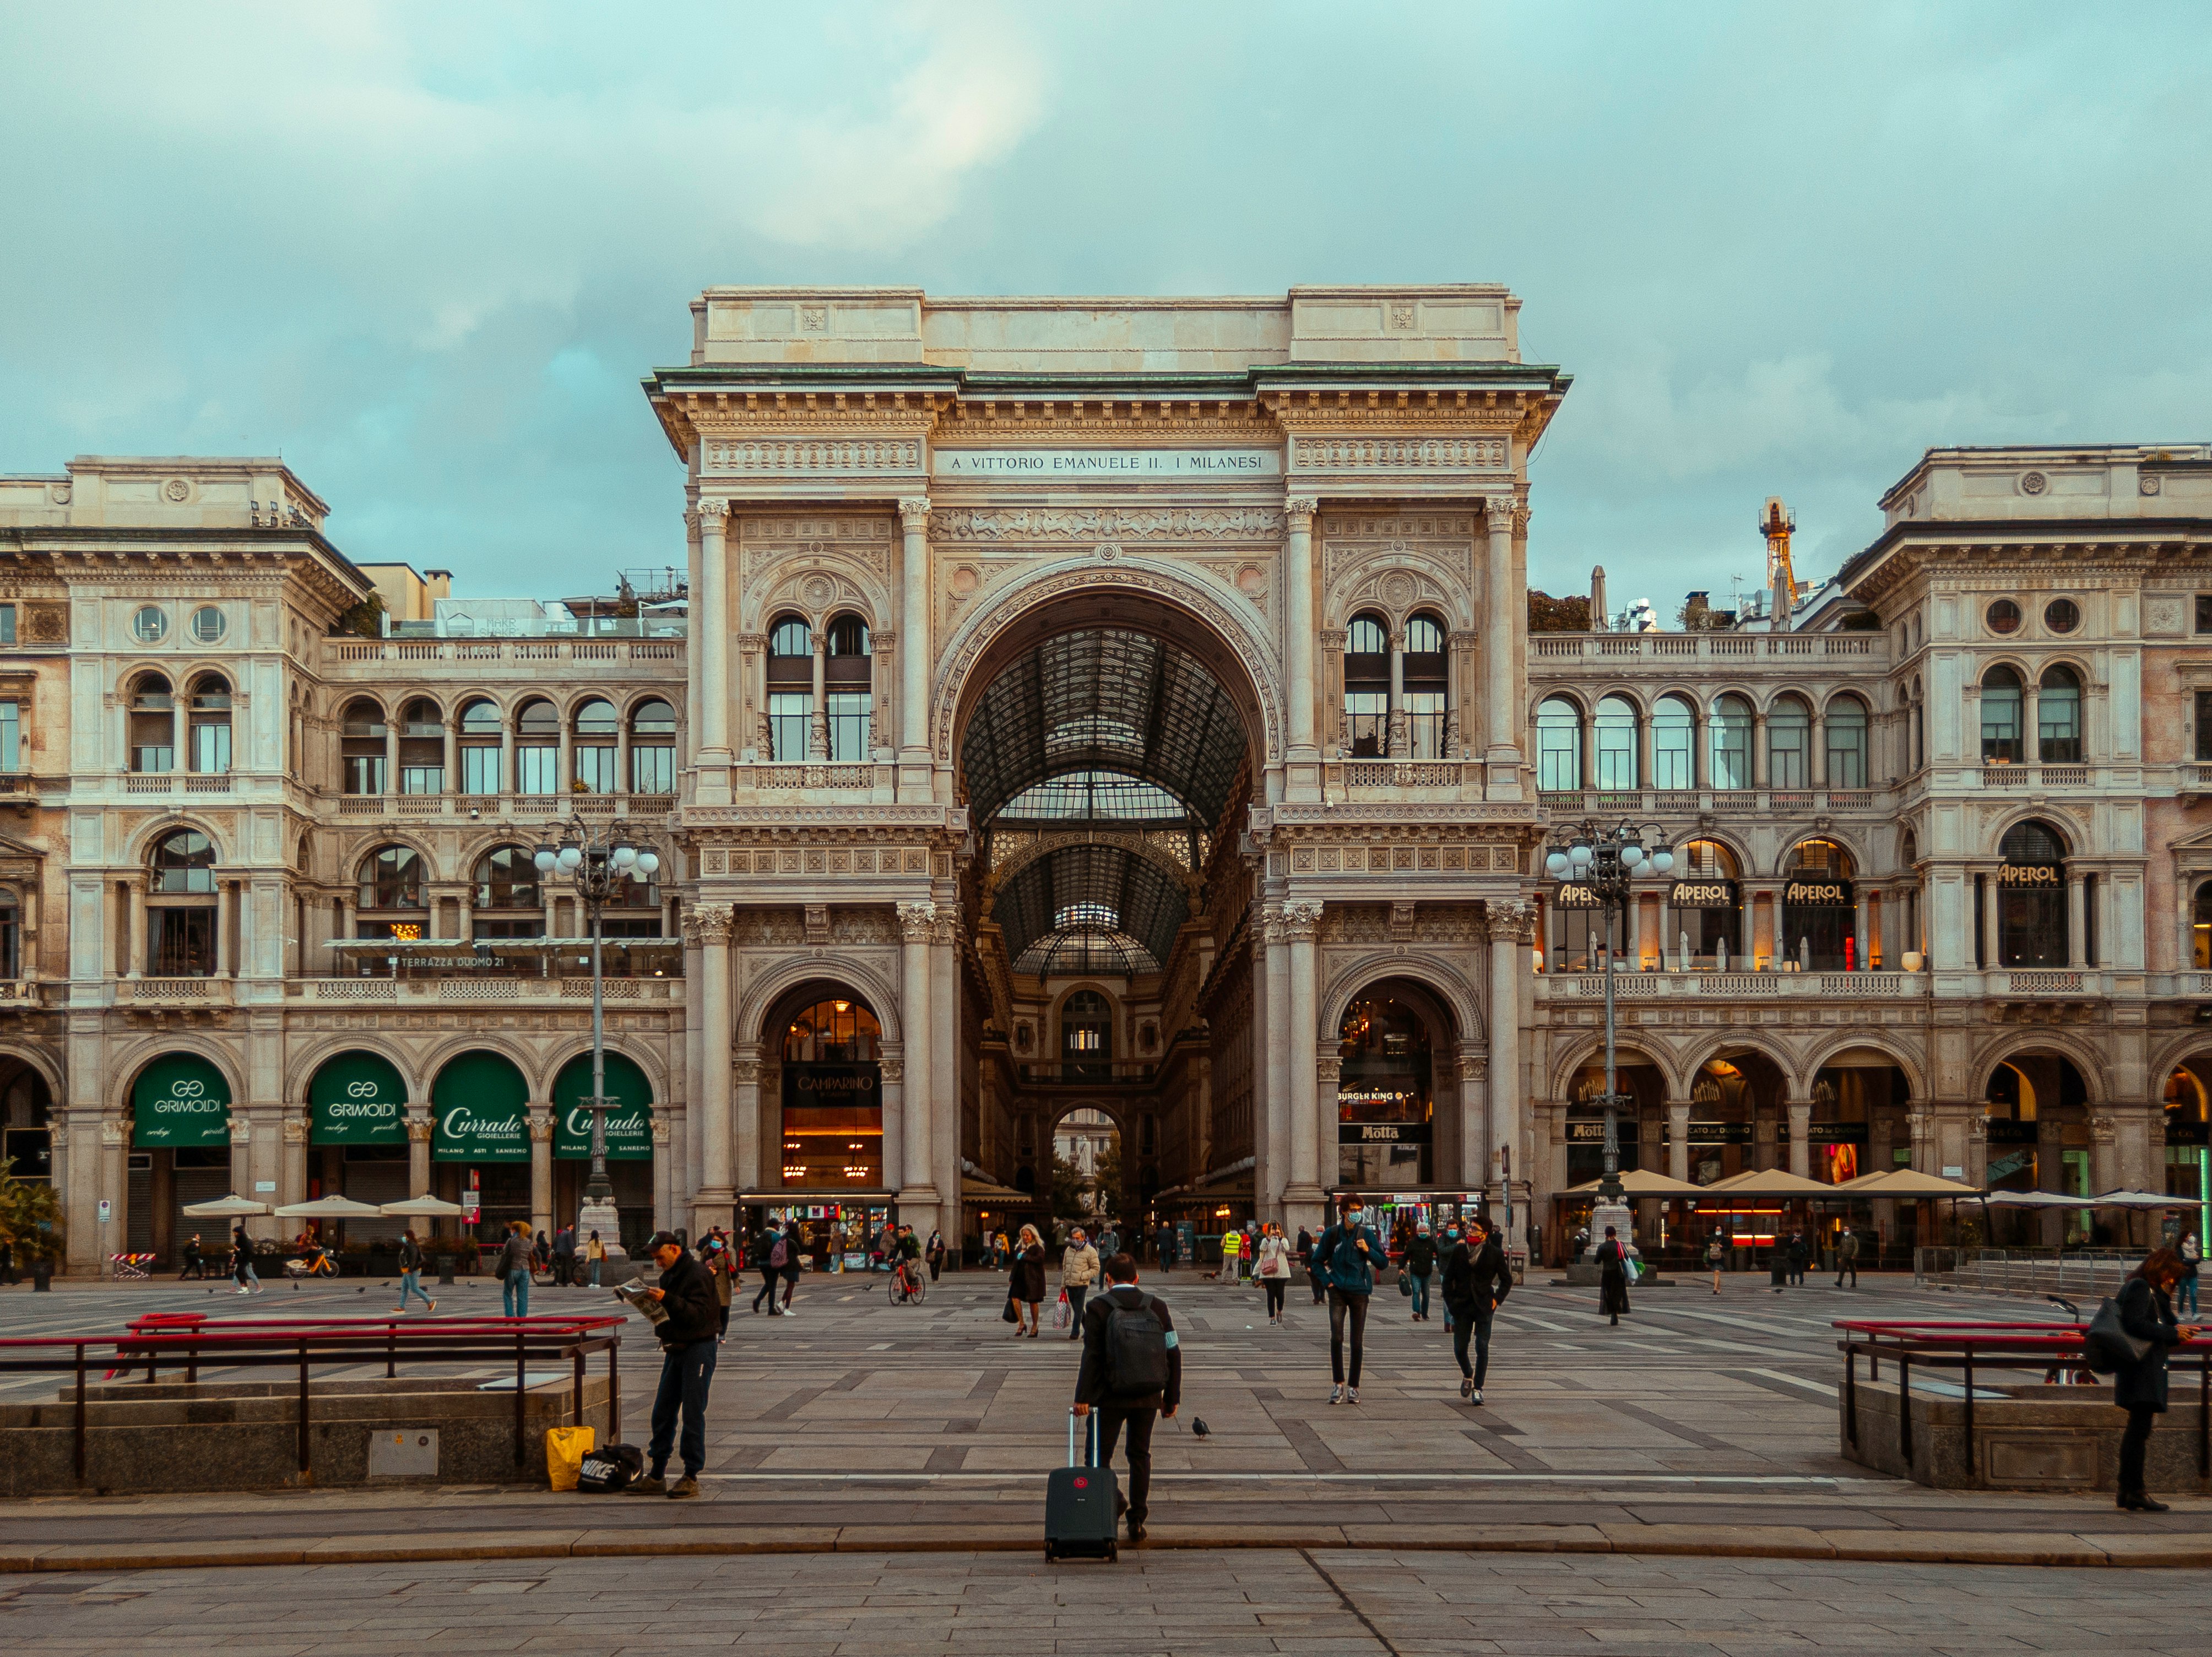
x,y
1776,523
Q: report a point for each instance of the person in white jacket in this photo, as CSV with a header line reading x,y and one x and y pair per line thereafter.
x,y
1274,1269
1079,1270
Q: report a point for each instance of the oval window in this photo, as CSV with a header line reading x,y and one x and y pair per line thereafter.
x,y
2003,617
207,624
150,624
2062,615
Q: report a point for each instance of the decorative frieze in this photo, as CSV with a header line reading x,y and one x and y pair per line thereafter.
x,y
799,457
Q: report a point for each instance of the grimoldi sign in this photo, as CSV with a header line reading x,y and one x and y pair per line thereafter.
x,y
1702,894
1136,464
1817,894
179,1099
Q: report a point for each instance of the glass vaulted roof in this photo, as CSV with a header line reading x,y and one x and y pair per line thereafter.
x,y
1087,908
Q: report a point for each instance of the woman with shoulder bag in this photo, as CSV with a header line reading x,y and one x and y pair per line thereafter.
x,y
1274,1270
1025,1282
2145,1308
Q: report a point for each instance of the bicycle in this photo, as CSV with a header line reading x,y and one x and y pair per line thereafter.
x,y
908,1286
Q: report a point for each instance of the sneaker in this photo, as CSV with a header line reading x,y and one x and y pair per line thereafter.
x,y
1475,1397
1467,1386
433,1306
1352,1395
686,1489
650,1484
1336,1394
1136,1531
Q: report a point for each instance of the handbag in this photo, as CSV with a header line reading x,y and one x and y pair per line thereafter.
x,y
1628,1265
2106,1346
1009,1315
1405,1284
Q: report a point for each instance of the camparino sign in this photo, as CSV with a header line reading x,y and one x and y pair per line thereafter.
x,y
630,1118
480,1112
357,1098
179,1101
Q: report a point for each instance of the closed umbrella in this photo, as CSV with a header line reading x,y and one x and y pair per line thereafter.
x,y
224,1208
418,1207
331,1208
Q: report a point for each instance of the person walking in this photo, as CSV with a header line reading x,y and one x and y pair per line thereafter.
x,y
1232,1242
1079,1270
2140,1388
794,1248
1847,1257
514,1270
1612,1275
1421,1264
1107,1242
769,1248
1317,1273
1477,1280
410,1271
1801,1256
195,1264
1025,1282
1164,1245
1348,1250
935,1254
1132,1374
241,1261
564,1257
715,1256
1716,1256
541,1257
595,1258
688,1343
2192,1261
1274,1269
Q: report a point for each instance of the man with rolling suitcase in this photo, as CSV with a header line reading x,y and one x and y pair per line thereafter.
x,y
1131,1376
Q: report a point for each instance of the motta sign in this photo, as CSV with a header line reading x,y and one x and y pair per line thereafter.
x,y
1381,1133
1134,464
1593,1133
1817,894
467,1134
2030,875
1702,894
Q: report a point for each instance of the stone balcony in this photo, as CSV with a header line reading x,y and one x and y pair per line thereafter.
x,y
481,650
1676,653
499,808
1643,988
482,990
1679,803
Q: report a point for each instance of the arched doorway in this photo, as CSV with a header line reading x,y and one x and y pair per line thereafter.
x,y
1087,1172
1393,1040
629,1143
1818,911
2188,1156
1860,1100
2037,1137
480,1140
357,1136
1704,908
179,1149
822,1107
26,1106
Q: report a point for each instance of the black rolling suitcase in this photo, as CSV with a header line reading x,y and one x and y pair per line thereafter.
x,y
1079,1502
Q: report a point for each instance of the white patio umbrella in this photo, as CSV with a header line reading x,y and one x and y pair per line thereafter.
x,y
422,1207
331,1208
2137,1199
224,1208
2035,1199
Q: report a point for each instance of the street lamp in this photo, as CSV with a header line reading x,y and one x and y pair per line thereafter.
x,y
1604,861
596,862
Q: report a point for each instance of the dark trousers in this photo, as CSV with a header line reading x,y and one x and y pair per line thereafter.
x,y
1110,1419
1847,1268
724,1319
1343,1303
1076,1294
685,1374
1481,1332
790,1282
1276,1288
2133,1443
768,1274
1319,1286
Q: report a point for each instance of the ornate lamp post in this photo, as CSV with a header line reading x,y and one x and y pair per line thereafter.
x,y
1605,862
596,862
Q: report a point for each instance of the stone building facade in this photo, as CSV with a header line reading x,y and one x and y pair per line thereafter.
x,y
1121,705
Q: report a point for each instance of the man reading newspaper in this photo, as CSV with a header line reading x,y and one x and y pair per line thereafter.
x,y
688,1330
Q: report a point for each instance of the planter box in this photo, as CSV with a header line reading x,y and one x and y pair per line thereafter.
x,y
2026,1437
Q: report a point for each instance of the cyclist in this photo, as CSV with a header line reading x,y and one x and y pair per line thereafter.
x,y
905,1250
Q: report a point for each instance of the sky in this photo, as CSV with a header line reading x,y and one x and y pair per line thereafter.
x,y
427,251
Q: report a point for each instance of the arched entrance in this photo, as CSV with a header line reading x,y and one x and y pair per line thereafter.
x,y
179,1149
2037,1137
27,1107
480,1140
357,1136
1088,1172
1395,1043
629,1132
835,1140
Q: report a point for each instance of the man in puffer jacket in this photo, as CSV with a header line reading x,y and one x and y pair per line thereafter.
x,y
1079,1270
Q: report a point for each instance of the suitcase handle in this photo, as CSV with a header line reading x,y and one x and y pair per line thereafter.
x,y
1090,1439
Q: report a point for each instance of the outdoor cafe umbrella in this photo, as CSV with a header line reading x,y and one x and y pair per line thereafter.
x,y
1637,1182
422,1207
331,1208
1769,1182
2034,1199
224,1208
1907,1183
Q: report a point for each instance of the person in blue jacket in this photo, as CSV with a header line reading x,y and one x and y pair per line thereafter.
x,y
1348,1253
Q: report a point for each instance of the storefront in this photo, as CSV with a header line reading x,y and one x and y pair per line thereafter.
x,y
1385,1102
834,1236
179,1154
832,1098
628,1143
480,1140
357,1139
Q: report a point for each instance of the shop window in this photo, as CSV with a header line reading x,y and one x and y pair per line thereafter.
x,y
1385,1103
832,1085
1730,729
597,727
479,747
2031,892
1366,687
1847,726
361,734
537,748
1788,745
1614,733
653,748
152,724
2058,716
1674,744
1705,904
1559,746
2000,717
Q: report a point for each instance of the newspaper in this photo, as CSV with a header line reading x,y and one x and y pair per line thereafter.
x,y
636,1293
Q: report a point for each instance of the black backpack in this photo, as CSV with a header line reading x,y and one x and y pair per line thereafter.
x,y
1136,1349
611,1469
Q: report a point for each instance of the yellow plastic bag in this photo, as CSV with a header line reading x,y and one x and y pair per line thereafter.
x,y
565,1450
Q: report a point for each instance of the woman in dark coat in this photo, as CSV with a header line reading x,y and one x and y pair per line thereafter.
x,y
1612,1275
2146,1314
1025,1282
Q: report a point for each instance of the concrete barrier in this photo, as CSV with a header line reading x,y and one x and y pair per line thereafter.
x,y
2027,1437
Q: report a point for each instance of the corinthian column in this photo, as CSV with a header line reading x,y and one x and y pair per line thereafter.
x,y
1503,611
917,928
1512,925
1303,1193
914,656
1298,626
710,638
541,1168
710,923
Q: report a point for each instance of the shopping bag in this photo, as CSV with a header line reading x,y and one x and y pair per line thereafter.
x,y
565,1450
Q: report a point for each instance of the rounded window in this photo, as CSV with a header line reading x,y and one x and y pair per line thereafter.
x,y
848,636
506,878
2062,615
790,637
184,862
150,624
207,624
2002,616
480,718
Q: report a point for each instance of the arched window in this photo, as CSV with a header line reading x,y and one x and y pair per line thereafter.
x,y
2031,884
421,747
1919,757
537,748
2058,716
833,1121
209,717
1730,734
1614,730
1790,744
479,743
153,725
841,1031
2000,742
1385,1092
790,688
361,745
1428,685
1674,744
1366,687
180,923
597,725
391,877
2200,928
1847,743
846,689
1908,864
653,748
1705,906
11,937
1087,1037
1559,746
506,878
1818,909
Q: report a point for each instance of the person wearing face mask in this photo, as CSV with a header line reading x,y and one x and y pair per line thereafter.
x,y
1420,1265
1348,1252
1476,1283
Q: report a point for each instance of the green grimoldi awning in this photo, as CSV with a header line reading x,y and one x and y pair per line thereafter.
x,y
357,1098
481,1107
630,1122
179,1099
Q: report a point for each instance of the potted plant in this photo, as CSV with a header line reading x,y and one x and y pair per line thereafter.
x,y
31,1226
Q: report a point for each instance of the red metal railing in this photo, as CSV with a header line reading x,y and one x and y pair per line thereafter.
x,y
249,1343
2055,1348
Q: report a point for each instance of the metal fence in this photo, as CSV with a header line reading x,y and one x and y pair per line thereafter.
x,y
2075,1273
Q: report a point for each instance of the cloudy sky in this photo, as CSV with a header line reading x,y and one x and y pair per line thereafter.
x,y
427,251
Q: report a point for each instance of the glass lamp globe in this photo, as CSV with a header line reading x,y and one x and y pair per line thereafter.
x,y
1663,861
1556,865
569,858
1631,856
623,855
545,857
648,863
1579,855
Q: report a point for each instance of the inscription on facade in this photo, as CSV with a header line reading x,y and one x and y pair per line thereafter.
x,y
1132,463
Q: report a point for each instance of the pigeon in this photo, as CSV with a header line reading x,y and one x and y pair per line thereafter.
x,y
1199,1428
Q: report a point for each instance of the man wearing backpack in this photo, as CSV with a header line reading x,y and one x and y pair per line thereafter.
x,y
1348,1252
1132,1374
